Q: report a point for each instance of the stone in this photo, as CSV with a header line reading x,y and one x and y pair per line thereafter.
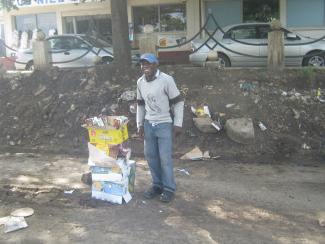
x,y
240,130
204,125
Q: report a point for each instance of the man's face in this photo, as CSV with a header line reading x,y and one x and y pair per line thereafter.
x,y
148,69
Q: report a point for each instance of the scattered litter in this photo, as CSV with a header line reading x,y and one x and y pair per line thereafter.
x,y
201,112
230,105
284,93
217,124
305,146
215,157
113,108
3,220
68,191
133,108
247,86
160,211
15,223
296,114
206,155
144,202
22,212
196,154
321,99
128,96
183,171
321,221
262,126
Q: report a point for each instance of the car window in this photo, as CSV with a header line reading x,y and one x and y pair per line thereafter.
x,y
263,31
97,42
242,32
67,42
61,43
78,43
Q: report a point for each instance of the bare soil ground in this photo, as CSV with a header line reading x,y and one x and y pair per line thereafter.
x,y
218,202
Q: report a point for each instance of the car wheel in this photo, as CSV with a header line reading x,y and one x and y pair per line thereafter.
x,y
30,66
314,59
224,60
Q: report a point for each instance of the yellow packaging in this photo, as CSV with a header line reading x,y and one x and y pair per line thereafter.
x,y
100,137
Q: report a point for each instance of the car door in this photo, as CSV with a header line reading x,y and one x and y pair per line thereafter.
x,y
69,51
262,33
292,49
242,54
291,52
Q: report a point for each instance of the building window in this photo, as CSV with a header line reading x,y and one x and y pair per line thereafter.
x,y
27,23
163,18
260,10
220,11
94,25
302,13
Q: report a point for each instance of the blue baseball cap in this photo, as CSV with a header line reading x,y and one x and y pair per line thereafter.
x,y
149,57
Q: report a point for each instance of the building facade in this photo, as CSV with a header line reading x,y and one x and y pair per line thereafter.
x,y
173,21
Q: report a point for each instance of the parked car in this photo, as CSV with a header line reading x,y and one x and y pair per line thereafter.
x,y
257,33
66,50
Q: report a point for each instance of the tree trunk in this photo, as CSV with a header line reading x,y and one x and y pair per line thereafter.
x,y
120,32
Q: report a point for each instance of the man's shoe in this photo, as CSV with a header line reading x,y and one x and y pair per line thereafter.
x,y
167,196
152,192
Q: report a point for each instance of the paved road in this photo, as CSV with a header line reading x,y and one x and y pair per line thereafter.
x,y
218,202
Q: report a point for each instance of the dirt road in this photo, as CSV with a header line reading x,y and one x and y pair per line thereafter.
x,y
218,202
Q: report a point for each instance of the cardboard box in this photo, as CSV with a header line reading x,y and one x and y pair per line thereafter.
x,y
111,198
106,173
114,184
102,137
100,157
111,188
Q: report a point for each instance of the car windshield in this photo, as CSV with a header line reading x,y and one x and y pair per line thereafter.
x,y
96,42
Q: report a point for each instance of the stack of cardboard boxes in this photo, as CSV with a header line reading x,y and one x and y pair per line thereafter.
x,y
113,173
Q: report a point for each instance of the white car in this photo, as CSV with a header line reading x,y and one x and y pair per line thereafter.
x,y
229,51
70,51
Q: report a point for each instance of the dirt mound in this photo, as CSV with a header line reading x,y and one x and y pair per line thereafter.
x,y
44,111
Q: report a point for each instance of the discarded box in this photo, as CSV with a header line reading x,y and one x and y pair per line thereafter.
x,y
103,137
112,173
100,157
114,184
107,130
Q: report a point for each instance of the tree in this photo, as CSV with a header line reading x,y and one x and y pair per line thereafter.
x,y
7,5
120,32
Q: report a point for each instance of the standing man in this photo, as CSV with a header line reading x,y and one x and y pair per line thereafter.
x,y
157,97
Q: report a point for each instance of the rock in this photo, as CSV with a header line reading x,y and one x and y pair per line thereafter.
x,y
240,130
204,125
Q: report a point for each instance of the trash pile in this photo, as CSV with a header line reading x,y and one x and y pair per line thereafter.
x,y
112,171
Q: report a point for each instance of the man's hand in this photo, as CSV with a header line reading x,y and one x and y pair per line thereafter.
x,y
177,131
141,132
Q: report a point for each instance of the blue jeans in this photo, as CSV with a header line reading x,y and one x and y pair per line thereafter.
x,y
158,149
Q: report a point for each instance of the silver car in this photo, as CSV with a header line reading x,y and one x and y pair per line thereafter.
x,y
257,33
69,51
